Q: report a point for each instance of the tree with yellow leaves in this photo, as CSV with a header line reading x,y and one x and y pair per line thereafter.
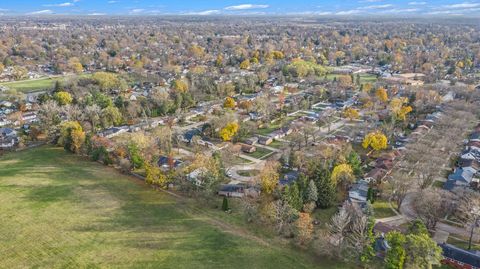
x,y
180,85
154,176
351,113
269,177
229,103
219,61
399,109
342,173
63,98
381,95
72,136
304,228
376,140
229,131
245,64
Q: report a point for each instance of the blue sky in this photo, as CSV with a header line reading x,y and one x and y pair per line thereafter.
x,y
247,7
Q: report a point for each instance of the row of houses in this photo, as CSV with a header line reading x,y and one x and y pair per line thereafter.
x,y
467,172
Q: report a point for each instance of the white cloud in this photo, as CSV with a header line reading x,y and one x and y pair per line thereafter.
x,y
66,4
137,11
417,3
348,12
246,6
462,5
401,10
205,12
97,14
377,6
41,12
370,1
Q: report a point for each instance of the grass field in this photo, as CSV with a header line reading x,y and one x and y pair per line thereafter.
x,y
382,209
59,211
260,153
35,85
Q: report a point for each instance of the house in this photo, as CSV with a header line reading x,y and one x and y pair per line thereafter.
x,y
4,122
168,162
462,177
460,258
29,117
232,190
265,140
251,141
7,132
475,136
197,175
112,132
358,192
289,178
7,143
248,148
188,135
375,175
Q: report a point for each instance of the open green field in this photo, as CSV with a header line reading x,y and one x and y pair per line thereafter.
x,y
35,85
59,211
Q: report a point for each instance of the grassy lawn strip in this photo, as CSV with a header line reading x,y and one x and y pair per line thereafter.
x,y
248,173
382,209
260,153
59,211
40,84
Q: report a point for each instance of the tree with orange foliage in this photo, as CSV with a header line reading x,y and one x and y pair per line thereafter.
x,y
304,228
229,103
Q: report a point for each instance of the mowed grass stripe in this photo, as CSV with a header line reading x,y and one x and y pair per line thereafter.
x,y
59,211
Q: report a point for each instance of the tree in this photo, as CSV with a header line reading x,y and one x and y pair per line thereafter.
x,y
399,109
304,228
422,251
311,194
353,159
63,98
225,204
376,140
111,116
108,81
180,85
381,95
292,196
433,204
342,173
351,113
245,64
325,187
229,131
395,257
269,177
229,103
72,136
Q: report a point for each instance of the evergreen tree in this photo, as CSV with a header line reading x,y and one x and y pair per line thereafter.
x,y
355,162
292,196
311,193
225,204
326,188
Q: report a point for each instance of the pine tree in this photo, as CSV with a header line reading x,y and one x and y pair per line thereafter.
x,y
225,204
311,194
325,187
356,163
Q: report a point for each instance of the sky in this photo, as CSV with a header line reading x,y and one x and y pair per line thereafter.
x,y
447,8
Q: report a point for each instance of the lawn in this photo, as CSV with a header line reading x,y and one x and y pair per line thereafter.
x,y
382,209
260,153
248,173
277,144
59,211
35,85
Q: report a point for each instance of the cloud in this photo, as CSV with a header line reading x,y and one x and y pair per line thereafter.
x,y
97,14
376,6
370,1
136,11
246,6
462,5
348,12
417,3
204,13
66,4
401,10
41,12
